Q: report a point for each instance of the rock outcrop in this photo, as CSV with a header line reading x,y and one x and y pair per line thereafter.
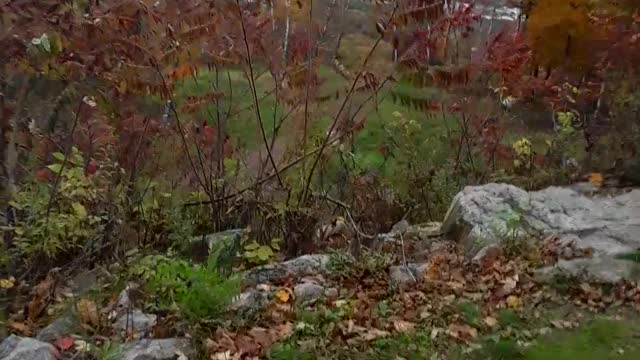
x,y
482,216
23,348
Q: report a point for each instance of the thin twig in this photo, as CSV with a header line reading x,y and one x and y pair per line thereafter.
x,y
307,185
56,182
404,258
255,97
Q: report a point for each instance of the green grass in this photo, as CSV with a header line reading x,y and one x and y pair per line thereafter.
x,y
598,340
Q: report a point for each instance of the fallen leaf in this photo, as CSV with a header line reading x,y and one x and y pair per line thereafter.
x,y
490,321
284,295
462,332
434,333
81,346
247,346
21,328
508,285
88,312
373,333
225,355
596,179
64,343
403,326
7,283
513,302
262,336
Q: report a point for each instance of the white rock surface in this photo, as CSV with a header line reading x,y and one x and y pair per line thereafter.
x,y
478,217
158,349
24,348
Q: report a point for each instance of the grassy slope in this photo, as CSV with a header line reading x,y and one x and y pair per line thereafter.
x,y
598,339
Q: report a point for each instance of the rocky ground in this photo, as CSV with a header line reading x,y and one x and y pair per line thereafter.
x,y
505,276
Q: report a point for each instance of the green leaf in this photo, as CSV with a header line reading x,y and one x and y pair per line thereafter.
x,y
79,210
58,156
264,253
253,246
56,168
44,41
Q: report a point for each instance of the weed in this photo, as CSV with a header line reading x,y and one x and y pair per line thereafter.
x,y
470,313
288,351
503,349
599,339
199,291
53,228
108,351
406,346
508,317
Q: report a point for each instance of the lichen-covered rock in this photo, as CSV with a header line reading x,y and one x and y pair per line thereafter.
x,y
422,232
296,268
480,216
23,348
158,349
253,299
600,269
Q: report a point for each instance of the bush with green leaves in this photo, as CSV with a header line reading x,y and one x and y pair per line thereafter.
x,y
53,227
197,290
420,172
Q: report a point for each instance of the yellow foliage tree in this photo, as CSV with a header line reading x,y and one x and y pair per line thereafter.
x,y
560,32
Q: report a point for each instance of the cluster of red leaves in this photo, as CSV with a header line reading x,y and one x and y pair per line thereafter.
x,y
508,55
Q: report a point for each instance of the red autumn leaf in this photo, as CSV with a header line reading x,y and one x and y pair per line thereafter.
x,y
91,168
64,343
43,175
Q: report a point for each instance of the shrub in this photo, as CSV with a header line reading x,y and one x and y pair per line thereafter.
x,y
199,291
54,228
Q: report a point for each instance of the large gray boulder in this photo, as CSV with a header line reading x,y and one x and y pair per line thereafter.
x,y
480,216
22,348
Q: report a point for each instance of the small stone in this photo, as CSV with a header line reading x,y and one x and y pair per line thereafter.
x,y
308,292
331,293
137,323
23,348
158,349
251,300
59,328
399,274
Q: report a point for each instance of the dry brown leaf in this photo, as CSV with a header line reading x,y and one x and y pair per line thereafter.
x,y
262,336
247,346
508,286
88,312
22,328
372,334
403,326
462,332
490,321
42,295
